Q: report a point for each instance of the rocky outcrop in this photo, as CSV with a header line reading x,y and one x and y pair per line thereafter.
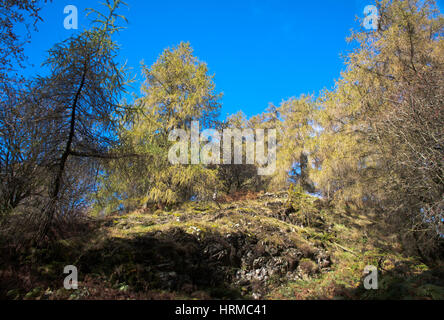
x,y
246,259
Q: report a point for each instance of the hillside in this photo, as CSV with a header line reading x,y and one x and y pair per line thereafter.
x,y
253,246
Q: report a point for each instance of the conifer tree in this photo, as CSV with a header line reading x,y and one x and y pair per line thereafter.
x,y
382,136
178,90
81,102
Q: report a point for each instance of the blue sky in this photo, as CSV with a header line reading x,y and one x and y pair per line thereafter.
x,y
260,51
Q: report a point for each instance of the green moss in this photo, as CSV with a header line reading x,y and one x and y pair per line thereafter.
x,y
352,243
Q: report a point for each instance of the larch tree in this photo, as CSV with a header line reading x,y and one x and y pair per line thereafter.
x,y
177,91
297,130
81,98
234,176
382,139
